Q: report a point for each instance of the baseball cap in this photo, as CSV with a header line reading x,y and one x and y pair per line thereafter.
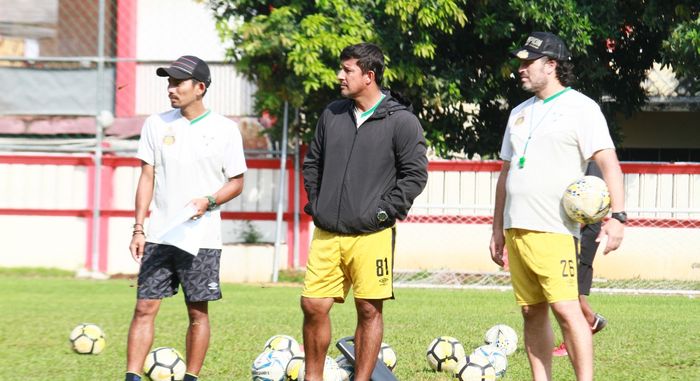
x,y
187,67
541,44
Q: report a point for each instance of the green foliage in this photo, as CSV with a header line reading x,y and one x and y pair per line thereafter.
x,y
450,57
648,337
682,49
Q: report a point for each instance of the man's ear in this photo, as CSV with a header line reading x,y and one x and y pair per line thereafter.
x,y
370,77
201,86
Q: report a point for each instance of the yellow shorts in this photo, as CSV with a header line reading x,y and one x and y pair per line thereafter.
x,y
337,262
542,266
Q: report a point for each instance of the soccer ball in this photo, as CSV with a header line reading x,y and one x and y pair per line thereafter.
x,y
347,370
296,369
387,355
270,366
283,343
87,338
477,368
496,356
445,353
587,200
164,364
502,336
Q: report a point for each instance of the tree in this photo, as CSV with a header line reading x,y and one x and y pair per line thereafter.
x,y
450,57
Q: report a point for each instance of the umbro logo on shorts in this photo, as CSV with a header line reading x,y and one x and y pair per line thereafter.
x,y
213,286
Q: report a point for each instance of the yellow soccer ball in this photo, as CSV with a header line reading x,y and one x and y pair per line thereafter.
x,y
87,338
587,200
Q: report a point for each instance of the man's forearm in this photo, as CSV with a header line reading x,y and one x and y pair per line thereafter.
x,y
614,179
500,202
144,194
232,189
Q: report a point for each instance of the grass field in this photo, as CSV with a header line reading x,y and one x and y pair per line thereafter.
x,y
648,337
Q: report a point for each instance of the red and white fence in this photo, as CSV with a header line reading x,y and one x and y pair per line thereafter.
x,y
46,209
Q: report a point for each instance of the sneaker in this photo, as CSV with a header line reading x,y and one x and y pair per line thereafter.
x,y
599,323
560,351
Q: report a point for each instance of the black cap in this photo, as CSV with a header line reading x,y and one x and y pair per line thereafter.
x,y
187,67
540,44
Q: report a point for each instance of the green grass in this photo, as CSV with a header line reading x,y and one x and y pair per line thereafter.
x,y
648,337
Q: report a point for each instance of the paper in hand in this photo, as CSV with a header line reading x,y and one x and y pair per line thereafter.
x,y
185,233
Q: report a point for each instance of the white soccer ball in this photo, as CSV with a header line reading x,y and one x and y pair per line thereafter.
x,y
87,338
387,355
496,356
283,343
165,364
502,336
296,370
270,366
347,370
587,200
445,353
477,368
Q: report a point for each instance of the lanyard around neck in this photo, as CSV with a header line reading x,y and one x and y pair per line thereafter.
x,y
521,161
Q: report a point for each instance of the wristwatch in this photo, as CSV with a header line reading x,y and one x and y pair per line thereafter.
x,y
620,216
212,203
382,215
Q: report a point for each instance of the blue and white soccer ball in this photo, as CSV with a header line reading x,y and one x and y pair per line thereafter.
x,y
502,336
270,366
496,356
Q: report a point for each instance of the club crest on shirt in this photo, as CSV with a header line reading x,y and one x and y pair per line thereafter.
x,y
168,140
519,121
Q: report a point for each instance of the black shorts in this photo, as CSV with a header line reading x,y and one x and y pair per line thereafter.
x,y
164,268
588,248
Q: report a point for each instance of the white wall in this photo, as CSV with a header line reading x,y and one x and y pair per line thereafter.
x,y
168,29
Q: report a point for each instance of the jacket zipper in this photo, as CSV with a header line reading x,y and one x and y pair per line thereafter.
x,y
345,173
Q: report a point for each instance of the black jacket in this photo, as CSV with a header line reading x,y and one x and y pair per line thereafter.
x,y
351,173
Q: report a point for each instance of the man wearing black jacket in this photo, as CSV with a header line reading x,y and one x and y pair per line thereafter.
x,y
365,166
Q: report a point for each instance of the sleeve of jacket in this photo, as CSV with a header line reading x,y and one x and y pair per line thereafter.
x,y
411,166
312,168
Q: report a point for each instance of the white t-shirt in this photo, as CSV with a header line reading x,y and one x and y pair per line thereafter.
x,y
191,159
564,132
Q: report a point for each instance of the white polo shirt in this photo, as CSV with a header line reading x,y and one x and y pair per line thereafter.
x,y
556,137
191,159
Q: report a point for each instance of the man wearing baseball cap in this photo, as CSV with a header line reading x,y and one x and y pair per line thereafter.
x,y
187,67
549,140
191,158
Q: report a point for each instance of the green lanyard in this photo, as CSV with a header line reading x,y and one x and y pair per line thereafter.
x,y
521,161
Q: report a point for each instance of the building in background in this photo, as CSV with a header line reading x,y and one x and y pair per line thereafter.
x,y
70,60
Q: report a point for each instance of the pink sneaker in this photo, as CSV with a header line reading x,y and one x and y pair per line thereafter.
x,y
560,351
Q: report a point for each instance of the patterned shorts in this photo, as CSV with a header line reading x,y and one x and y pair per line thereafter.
x,y
164,268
